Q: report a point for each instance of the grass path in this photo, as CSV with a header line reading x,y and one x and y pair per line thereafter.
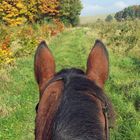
x,y
19,93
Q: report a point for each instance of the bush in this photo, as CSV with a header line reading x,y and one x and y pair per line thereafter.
x,y
22,41
6,56
109,18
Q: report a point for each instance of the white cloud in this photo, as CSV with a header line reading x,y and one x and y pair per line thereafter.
x,y
120,5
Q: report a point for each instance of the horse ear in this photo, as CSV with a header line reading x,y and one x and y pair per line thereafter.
x,y
98,64
44,65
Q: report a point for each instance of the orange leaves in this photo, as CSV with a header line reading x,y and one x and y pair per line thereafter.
x,y
6,56
49,7
22,41
52,29
59,25
56,27
6,43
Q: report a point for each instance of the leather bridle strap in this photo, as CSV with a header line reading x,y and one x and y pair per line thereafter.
x,y
57,78
105,112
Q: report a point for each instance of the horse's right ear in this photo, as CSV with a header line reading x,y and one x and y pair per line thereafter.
x,y
98,64
44,65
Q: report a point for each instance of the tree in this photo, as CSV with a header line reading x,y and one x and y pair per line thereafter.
x,y
130,12
119,16
109,18
16,12
31,14
49,8
12,12
70,11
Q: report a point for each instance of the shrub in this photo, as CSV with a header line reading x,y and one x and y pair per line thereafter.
x,y
6,56
109,18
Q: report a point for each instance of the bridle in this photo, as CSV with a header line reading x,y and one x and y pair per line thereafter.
x,y
105,107
105,110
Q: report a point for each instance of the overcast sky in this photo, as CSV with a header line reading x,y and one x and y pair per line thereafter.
x,y
97,7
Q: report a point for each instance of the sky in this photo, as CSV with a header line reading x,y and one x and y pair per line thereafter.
x,y
100,7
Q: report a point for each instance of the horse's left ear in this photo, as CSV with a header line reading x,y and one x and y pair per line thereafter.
x,y
44,65
98,64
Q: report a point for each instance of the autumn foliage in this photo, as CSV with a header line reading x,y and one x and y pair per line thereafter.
x,y
49,7
12,11
34,20
22,40
17,12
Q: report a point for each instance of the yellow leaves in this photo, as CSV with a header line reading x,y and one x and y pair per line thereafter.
x,y
23,40
5,6
6,57
16,12
17,21
32,12
4,2
14,22
11,12
20,5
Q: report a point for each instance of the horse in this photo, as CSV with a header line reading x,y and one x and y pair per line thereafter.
x,y
72,103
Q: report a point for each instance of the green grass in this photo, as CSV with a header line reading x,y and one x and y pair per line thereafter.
x,y
18,97
19,92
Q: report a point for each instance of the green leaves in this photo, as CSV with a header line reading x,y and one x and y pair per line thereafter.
x,y
128,13
70,11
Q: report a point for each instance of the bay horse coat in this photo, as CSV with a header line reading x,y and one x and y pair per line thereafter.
x,y
72,104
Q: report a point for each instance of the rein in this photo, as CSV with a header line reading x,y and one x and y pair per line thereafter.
x,y
104,104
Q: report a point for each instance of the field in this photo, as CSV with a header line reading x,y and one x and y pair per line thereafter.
x,y
92,19
19,91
